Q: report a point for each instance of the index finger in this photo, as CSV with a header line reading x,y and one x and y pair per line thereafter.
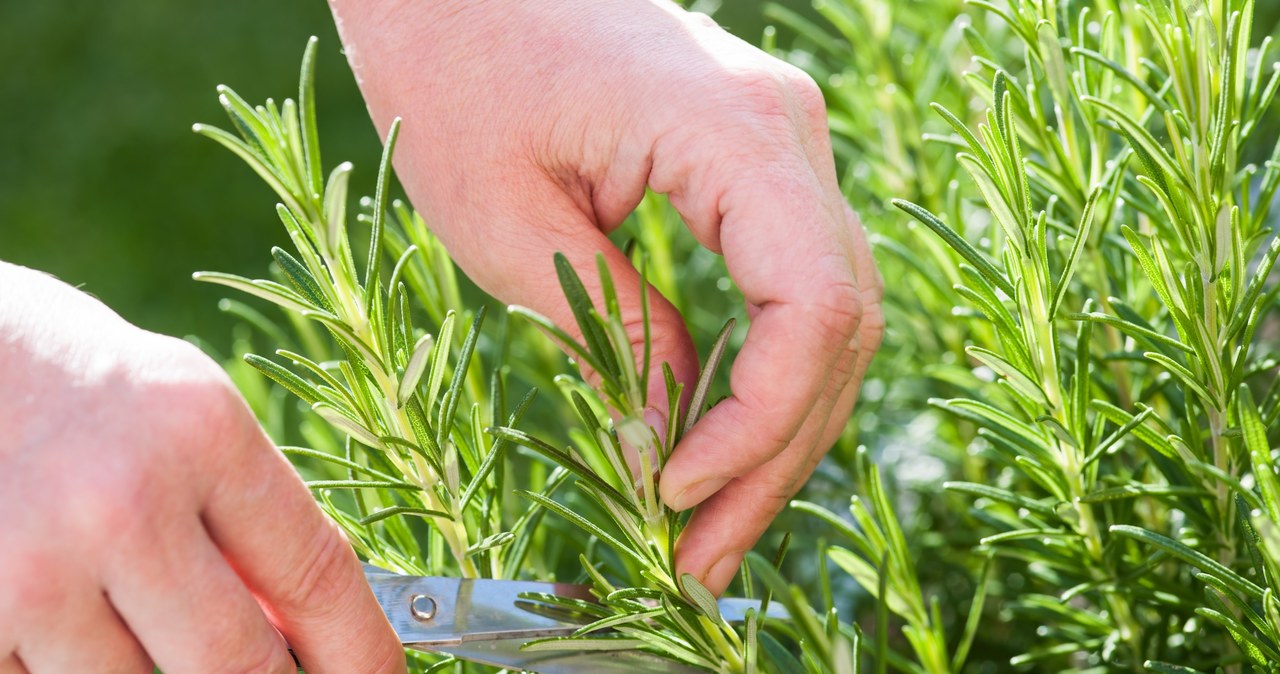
x,y
788,252
295,561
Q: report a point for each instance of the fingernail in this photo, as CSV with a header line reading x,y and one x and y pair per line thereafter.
x,y
697,492
657,421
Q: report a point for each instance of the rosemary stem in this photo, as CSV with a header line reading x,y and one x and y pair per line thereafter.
x,y
454,531
731,652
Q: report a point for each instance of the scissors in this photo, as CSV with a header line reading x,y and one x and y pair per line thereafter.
x,y
487,621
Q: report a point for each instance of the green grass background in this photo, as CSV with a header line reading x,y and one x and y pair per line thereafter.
x,y
102,182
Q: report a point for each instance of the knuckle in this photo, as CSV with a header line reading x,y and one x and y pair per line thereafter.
x,y
320,583
633,325
836,310
872,326
843,369
781,92
765,498
775,488
875,289
806,92
177,359
703,19
770,431
203,403
762,93
388,660
195,401
793,181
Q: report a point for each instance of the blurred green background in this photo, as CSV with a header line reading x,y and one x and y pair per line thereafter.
x,y
102,182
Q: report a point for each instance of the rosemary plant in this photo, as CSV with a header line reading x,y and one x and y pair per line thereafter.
x,y
402,395
1110,248
1079,337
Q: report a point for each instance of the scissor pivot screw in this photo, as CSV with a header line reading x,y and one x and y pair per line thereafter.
x,y
423,607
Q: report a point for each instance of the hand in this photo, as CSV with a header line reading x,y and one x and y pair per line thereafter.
x,y
146,517
534,127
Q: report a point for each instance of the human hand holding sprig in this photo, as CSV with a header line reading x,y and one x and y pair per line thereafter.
x,y
535,127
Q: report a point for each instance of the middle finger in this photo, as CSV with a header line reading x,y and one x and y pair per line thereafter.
x,y
191,611
87,636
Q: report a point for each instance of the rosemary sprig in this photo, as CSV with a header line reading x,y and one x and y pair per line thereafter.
x,y
388,386
678,617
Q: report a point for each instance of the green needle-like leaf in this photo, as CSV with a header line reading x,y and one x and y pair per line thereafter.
x,y
700,596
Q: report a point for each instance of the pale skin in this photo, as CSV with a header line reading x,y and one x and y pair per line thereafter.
x,y
147,518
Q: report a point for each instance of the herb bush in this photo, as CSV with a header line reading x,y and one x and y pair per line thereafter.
x,y
1071,201
1080,330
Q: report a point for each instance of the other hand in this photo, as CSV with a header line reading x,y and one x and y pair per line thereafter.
x,y
535,126
147,519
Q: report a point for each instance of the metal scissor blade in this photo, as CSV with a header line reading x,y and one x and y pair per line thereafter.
x,y
734,609
429,613
507,653
488,621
